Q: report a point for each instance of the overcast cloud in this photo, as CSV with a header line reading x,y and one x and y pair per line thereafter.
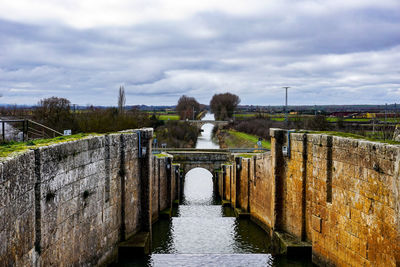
x,y
328,52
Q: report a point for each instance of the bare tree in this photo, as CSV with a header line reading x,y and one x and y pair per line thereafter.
x,y
54,112
121,99
223,105
188,107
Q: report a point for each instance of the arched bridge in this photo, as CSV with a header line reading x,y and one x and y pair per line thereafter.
x,y
209,159
200,124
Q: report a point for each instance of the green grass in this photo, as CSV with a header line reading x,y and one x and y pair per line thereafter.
x,y
169,117
279,119
6,149
335,119
247,115
392,120
241,139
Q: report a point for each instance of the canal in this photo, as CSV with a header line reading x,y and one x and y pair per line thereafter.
x,y
203,233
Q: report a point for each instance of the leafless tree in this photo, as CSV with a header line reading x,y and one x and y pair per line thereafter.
x,y
121,100
188,107
54,112
223,105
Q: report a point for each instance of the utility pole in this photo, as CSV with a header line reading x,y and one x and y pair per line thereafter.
x,y
286,106
193,112
385,112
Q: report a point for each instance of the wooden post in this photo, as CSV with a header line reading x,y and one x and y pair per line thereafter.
x,y
23,131
3,130
27,129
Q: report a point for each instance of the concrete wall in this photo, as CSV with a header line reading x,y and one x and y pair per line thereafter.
x,y
341,195
71,203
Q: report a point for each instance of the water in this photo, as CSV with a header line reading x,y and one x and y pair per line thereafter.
x,y
203,233
205,138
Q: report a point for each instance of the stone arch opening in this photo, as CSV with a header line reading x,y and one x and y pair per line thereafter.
x,y
191,166
198,187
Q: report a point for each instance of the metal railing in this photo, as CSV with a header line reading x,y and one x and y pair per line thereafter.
x,y
202,150
28,129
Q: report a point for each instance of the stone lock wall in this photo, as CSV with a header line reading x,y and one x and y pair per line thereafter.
x,y
71,203
165,184
262,190
349,193
342,195
17,210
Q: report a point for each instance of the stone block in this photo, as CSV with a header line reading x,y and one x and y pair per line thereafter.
x,y
316,223
96,142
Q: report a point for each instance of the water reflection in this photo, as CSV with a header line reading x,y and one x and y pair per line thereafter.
x,y
198,188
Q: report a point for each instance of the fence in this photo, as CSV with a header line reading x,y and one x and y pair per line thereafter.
x,y
23,130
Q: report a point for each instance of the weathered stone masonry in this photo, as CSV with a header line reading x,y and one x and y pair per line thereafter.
x,y
72,203
341,195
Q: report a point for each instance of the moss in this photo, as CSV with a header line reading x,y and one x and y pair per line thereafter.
x,y
6,149
161,155
247,155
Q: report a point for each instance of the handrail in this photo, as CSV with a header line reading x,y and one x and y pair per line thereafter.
x,y
190,149
44,126
228,150
203,121
26,129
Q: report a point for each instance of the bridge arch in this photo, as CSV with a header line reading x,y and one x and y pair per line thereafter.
x,y
190,166
209,159
199,187
200,124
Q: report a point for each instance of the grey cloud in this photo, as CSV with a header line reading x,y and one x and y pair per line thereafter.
x,y
349,55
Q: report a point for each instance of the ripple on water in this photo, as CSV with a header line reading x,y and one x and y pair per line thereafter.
x,y
192,260
200,211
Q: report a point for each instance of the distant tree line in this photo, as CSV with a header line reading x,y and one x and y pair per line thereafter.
x,y
177,134
56,113
222,105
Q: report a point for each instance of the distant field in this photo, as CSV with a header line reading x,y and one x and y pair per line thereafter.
x,y
376,137
330,119
240,139
280,117
169,117
244,115
250,115
392,120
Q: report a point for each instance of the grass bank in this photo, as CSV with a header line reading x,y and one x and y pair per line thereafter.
x,y
235,139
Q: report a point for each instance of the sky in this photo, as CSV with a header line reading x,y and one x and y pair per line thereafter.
x,y
327,52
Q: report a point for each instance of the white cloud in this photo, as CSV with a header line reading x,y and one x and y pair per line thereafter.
x,y
327,51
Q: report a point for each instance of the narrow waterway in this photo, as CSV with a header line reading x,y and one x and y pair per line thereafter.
x,y
203,233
